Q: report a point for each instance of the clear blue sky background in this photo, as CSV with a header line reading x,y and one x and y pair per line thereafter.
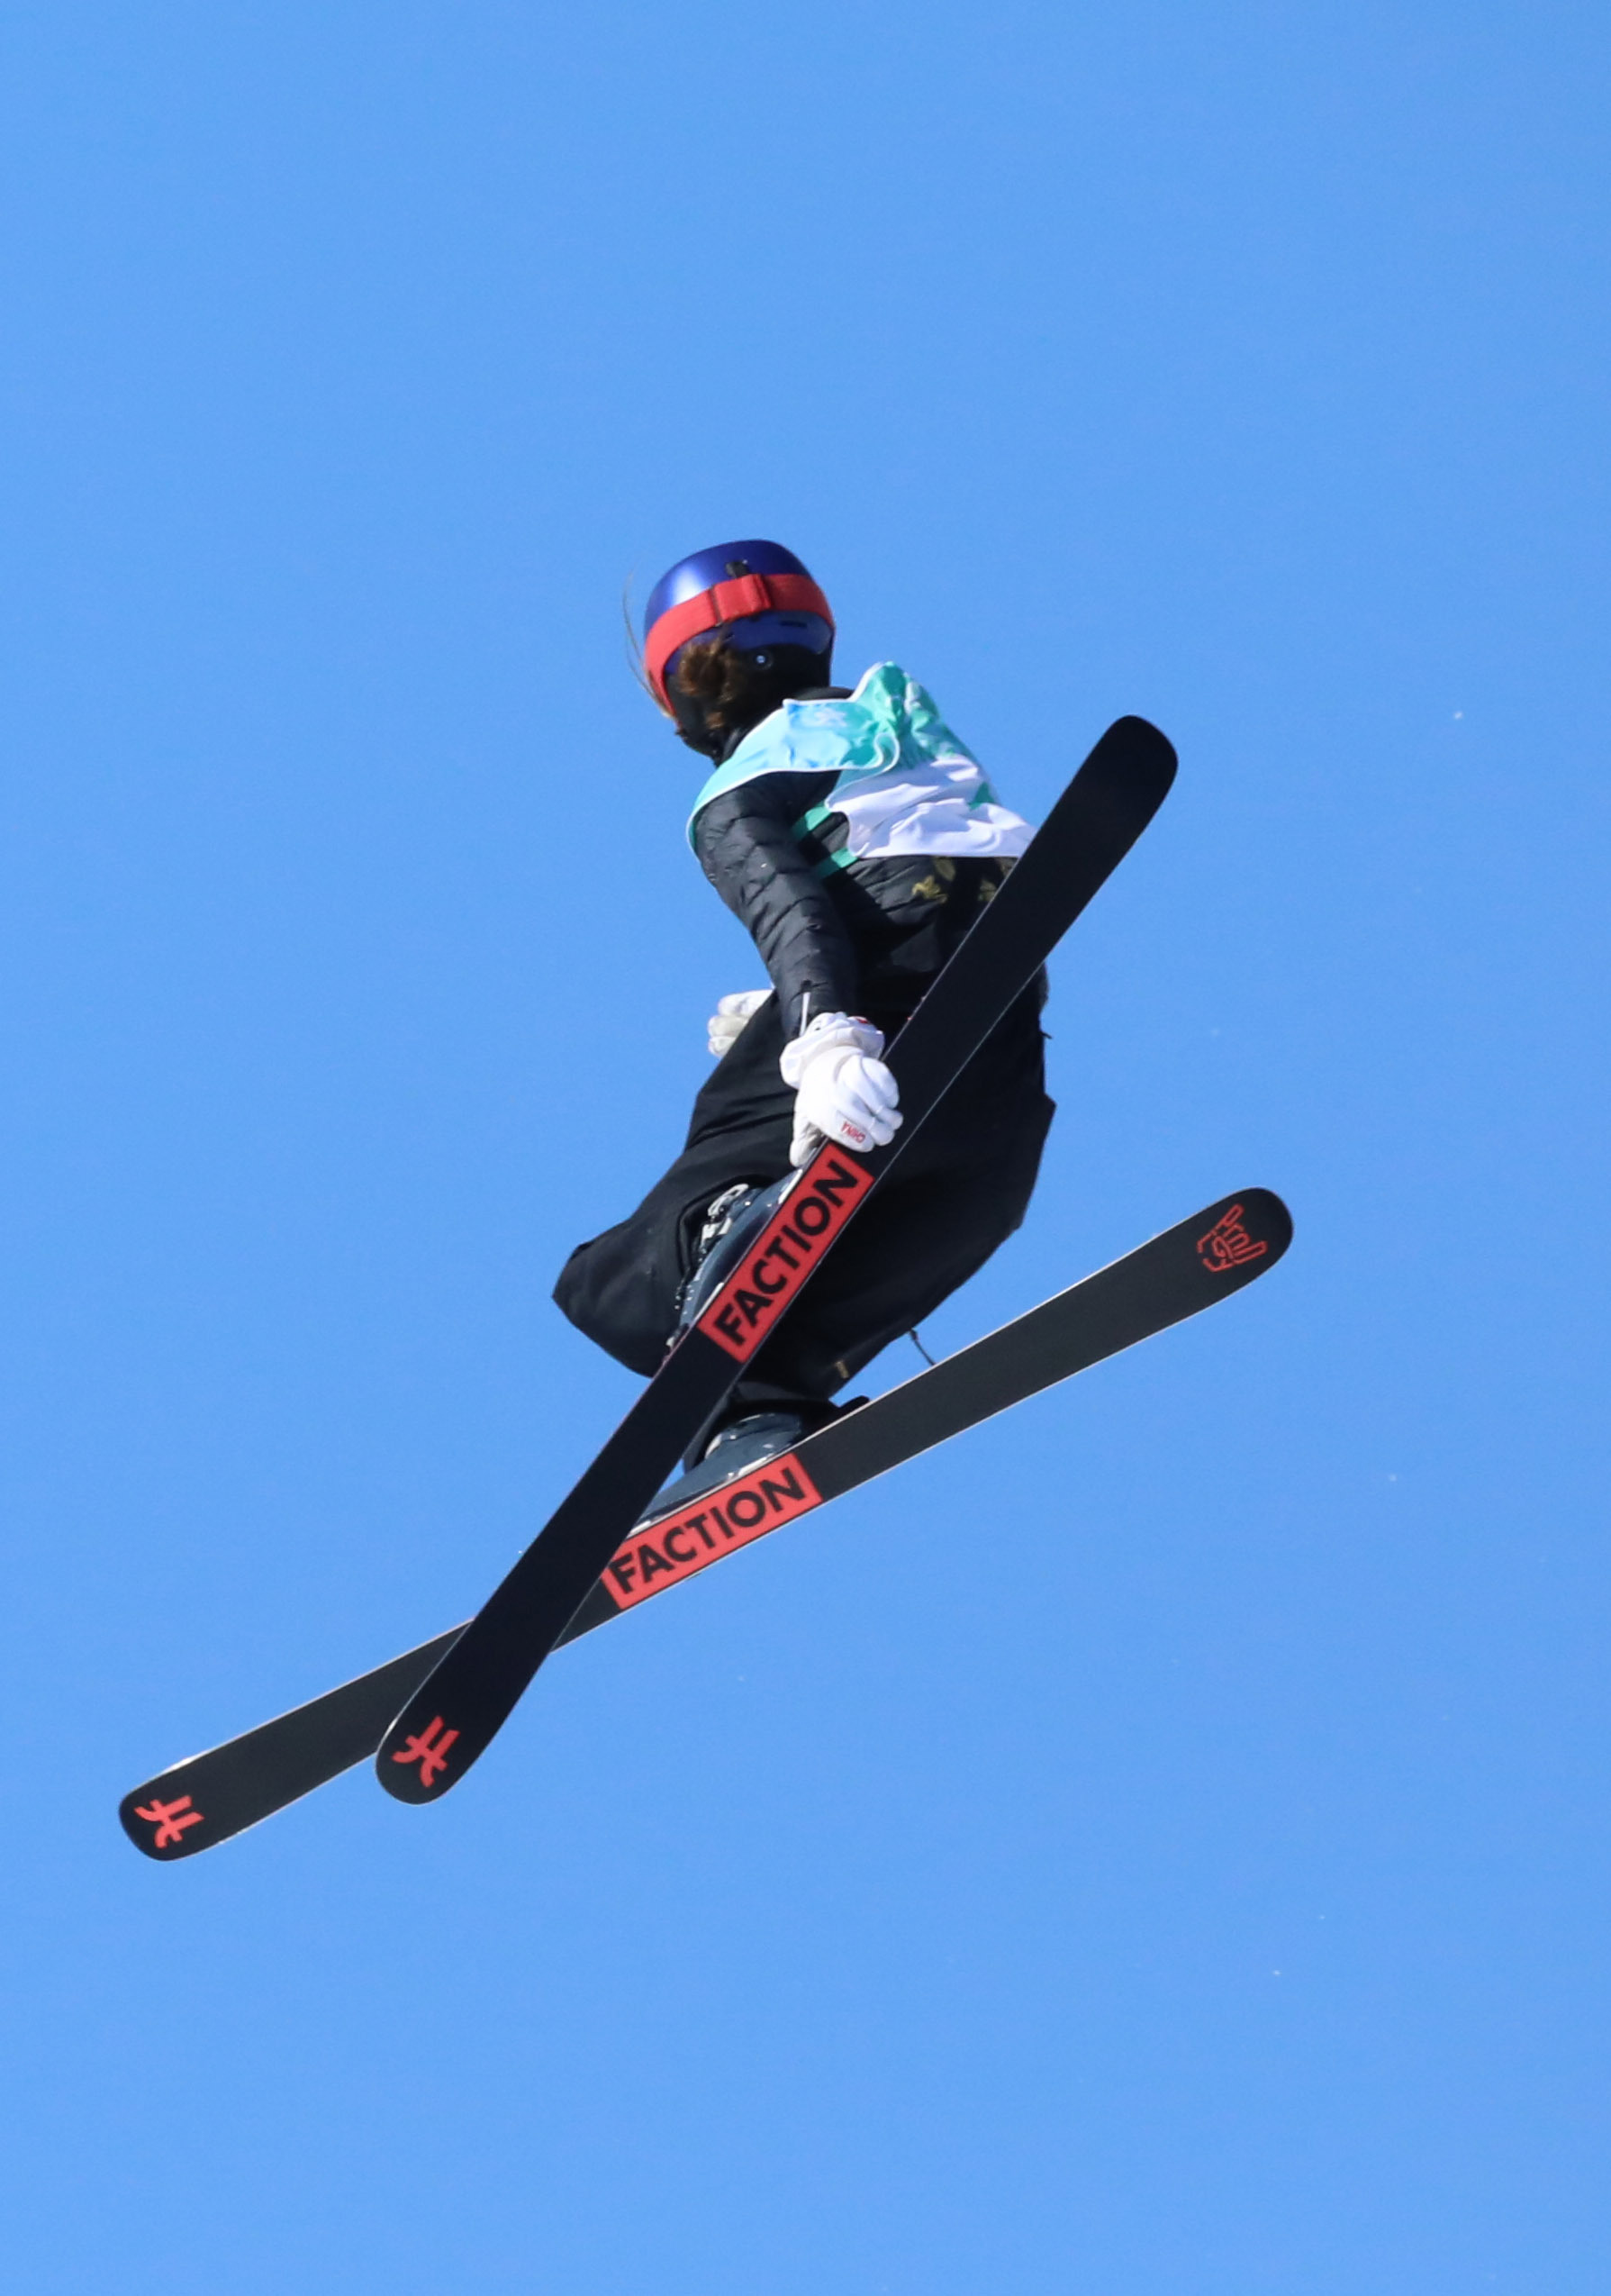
x,y
1157,1848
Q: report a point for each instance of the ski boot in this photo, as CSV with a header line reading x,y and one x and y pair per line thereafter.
x,y
731,1219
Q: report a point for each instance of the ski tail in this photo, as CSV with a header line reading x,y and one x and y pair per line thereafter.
x,y
1191,1266
217,1794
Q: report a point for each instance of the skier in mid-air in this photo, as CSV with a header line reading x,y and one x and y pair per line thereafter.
x,y
860,843
857,840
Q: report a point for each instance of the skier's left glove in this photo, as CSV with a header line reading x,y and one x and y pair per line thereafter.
x,y
843,1091
732,1016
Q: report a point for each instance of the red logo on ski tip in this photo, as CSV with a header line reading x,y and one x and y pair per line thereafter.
x,y
1228,1245
429,1750
730,1516
786,1252
170,1820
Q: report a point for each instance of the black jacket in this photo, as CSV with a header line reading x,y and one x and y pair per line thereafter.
x,y
863,939
867,938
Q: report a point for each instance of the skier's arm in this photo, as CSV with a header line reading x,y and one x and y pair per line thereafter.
x,y
746,849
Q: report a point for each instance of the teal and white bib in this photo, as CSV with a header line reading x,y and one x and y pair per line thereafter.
x,y
902,781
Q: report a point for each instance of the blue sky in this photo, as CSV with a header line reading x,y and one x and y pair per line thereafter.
x,y
1156,1847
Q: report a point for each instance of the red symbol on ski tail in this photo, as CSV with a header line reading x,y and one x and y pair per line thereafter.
x,y
429,1750
170,1820
1228,1245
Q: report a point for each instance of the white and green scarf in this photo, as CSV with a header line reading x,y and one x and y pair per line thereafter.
x,y
902,781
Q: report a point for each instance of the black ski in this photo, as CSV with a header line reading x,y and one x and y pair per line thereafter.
x,y
213,1795
457,1712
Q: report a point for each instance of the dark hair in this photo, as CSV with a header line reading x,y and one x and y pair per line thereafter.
x,y
718,692
725,684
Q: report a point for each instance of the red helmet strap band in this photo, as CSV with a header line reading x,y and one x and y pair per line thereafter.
x,y
746,593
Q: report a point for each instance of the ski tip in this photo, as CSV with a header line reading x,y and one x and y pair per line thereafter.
x,y
1274,1218
1245,1235
1134,762
1141,740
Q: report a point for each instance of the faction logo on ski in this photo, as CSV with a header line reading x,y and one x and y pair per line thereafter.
x,y
1228,1245
803,1225
170,1820
730,1516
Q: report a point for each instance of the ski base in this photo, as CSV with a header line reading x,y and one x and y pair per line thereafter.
x,y
1219,1250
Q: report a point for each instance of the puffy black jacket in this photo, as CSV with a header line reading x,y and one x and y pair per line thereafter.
x,y
869,937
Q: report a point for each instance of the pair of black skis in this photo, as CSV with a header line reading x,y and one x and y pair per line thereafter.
x,y
1203,1259
454,1713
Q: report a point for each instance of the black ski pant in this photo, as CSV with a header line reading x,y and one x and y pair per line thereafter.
x,y
959,1190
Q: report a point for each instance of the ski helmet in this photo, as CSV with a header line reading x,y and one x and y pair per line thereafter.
x,y
757,592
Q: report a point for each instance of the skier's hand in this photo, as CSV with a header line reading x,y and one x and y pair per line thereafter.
x,y
732,1016
843,1091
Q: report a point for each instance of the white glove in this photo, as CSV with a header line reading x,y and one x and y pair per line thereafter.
x,y
731,1017
842,1090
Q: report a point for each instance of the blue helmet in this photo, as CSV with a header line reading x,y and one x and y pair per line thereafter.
x,y
758,586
